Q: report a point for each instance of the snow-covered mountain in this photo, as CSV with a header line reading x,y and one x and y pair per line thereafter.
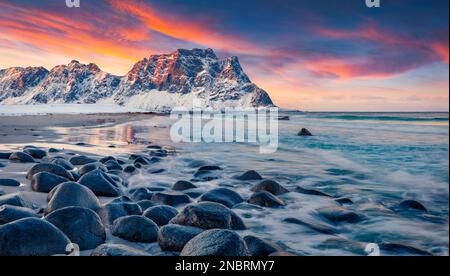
x,y
156,83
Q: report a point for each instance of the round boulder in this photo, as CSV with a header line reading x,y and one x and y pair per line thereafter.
x,y
91,167
174,237
21,157
224,196
171,198
338,214
270,186
100,183
216,242
183,185
161,214
112,211
259,247
9,182
44,182
81,160
265,199
35,152
72,194
51,168
250,175
9,213
135,229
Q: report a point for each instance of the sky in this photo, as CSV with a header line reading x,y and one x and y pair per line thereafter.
x,y
313,55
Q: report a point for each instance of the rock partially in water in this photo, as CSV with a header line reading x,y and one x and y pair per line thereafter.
x,y
270,186
105,159
130,169
32,237
161,214
209,215
412,205
265,199
135,229
247,206
224,196
36,152
6,182
145,204
112,211
44,182
171,198
216,242
63,163
250,175
81,160
404,249
344,201
118,250
260,248
100,183
50,168
183,185
21,157
15,199
5,155
92,167
113,165
316,227
282,254
305,191
72,194
174,237
9,213
141,194
82,226
338,214
304,132
355,247
53,150
209,168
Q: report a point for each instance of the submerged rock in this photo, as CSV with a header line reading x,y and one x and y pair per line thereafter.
x,y
270,186
72,194
338,214
412,205
141,194
304,132
91,167
135,229
100,183
9,213
161,214
250,175
32,237
404,249
171,198
265,199
174,237
216,242
81,160
82,226
113,165
259,248
224,196
9,182
209,215
305,191
344,201
21,157
118,250
183,185
50,168
44,182
317,227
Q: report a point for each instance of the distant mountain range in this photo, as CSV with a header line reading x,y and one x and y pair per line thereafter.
x,y
156,83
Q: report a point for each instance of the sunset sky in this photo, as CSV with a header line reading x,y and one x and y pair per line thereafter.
x,y
317,55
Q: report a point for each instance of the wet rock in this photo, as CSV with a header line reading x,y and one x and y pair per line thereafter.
x,y
63,163
355,247
216,242
344,201
44,182
113,165
72,194
157,171
283,118
141,194
21,157
145,204
53,150
247,206
412,205
265,199
209,215
183,185
305,191
50,168
316,227
154,147
105,159
404,249
82,226
135,229
224,196
338,214
5,155
209,168
32,237
260,248
304,132
81,160
161,214
100,183
270,186
9,213
159,153
118,250
15,199
35,152
9,182
250,175
142,160
174,237
92,167
112,211
130,169
170,198
121,199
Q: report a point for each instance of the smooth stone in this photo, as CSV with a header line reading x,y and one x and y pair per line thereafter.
x,y
53,150
50,168
9,213
209,215
44,182
82,226
344,201
135,229
142,194
142,160
265,199
145,204
305,191
112,211
5,155
161,214
304,132
170,198
216,242
209,168
260,248
15,199
224,196
247,206
72,194
35,152
338,214
403,249
63,163
174,237
32,237
2,193
105,159
250,175
130,169
270,186
155,147
21,157
113,165
412,204
118,250
317,227
81,160
183,185
121,199
100,183
92,167
9,182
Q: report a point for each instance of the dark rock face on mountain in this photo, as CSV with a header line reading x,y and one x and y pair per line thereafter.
x,y
158,82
